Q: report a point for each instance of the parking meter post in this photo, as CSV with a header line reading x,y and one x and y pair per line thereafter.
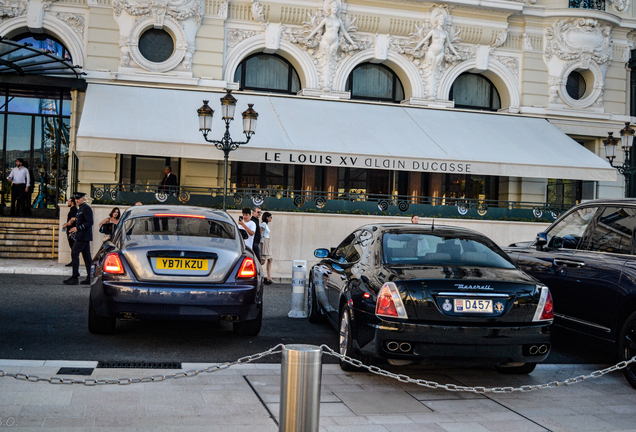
x,y
299,277
300,377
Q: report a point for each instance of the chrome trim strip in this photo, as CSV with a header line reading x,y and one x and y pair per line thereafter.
x,y
587,323
470,294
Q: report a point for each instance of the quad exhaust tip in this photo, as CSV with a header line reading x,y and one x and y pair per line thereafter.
x,y
394,346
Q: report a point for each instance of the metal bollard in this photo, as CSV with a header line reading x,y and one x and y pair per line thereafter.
x,y
300,376
299,276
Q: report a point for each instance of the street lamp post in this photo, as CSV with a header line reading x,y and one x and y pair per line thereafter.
x,y
627,169
226,144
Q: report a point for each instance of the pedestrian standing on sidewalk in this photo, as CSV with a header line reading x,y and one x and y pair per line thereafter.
x,y
70,223
21,182
266,250
83,231
246,224
415,219
256,213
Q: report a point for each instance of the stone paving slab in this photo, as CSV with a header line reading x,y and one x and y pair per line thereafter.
x,y
246,398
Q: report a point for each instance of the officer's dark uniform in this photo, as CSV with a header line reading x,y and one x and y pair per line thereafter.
x,y
83,238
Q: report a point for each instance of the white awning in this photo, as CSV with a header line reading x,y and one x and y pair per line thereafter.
x,y
295,130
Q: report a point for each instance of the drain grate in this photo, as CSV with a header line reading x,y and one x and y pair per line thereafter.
x,y
75,371
117,364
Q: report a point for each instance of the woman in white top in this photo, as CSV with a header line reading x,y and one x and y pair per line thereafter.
x,y
266,250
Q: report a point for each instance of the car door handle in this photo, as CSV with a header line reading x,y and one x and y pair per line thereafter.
x,y
567,263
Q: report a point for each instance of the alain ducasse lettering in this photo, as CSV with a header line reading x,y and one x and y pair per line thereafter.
x,y
369,162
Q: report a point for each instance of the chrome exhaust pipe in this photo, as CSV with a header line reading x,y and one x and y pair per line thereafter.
x,y
543,349
534,350
392,346
405,347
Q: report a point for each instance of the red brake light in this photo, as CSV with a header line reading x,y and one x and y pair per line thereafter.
x,y
548,310
248,269
385,305
179,215
113,264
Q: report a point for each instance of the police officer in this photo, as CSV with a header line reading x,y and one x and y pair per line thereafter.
x,y
83,231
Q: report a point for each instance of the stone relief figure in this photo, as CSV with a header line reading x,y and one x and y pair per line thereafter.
x,y
327,55
439,39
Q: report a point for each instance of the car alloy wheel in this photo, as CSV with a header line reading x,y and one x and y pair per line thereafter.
x,y
346,341
627,348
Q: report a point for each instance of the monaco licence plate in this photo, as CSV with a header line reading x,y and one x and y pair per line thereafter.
x,y
470,305
182,264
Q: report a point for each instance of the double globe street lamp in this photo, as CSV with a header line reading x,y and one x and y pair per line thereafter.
x,y
627,169
226,144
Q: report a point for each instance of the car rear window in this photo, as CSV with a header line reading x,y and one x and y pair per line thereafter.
x,y
435,250
178,225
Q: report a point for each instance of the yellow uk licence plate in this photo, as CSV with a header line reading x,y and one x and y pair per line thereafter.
x,y
182,264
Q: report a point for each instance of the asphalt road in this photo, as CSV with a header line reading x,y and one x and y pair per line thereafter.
x,y
42,319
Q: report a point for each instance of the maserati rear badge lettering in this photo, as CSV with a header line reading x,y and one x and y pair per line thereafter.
x,y
447,306
473,287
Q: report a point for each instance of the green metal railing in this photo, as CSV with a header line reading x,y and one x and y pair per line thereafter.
x,y
326,202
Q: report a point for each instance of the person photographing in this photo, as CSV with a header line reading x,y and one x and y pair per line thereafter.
x,y
248,225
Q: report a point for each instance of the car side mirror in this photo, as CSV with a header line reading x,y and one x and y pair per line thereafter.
x,y
321,253
542,240
107,228
244,234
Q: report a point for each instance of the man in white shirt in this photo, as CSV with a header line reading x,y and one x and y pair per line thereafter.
x,y
21,181
249,227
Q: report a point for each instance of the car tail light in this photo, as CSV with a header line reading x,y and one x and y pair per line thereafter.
x,y
113,264
389,302
248,269
545,308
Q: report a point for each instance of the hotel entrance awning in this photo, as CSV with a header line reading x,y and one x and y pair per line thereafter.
x,y
294,130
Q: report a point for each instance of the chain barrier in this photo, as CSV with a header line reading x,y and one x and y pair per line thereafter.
x,y
457,388
155,378
328,351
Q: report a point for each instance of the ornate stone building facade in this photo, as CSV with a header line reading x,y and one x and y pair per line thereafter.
x,y
313,68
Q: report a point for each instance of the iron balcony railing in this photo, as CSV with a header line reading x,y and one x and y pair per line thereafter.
x,y
326,202
588,4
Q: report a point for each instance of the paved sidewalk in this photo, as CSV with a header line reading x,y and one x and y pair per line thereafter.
x,y
246,398
37,267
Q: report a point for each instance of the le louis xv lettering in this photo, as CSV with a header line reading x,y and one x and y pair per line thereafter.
x,y
355,161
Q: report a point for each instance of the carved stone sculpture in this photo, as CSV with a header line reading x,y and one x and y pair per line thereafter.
x,y
583,45
257,11
12,9
181,17
334,27
439,39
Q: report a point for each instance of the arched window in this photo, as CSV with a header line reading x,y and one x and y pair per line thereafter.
x,y
475,92
376,82
267,73
45,42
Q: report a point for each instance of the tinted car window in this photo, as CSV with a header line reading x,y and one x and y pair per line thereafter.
x,y
342,249
182,226
359,245
567,234
614,231
431,249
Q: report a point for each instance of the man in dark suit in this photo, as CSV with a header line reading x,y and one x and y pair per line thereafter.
x,y
83,231
169,180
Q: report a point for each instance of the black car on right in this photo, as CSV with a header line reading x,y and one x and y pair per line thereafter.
x,y
587,259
